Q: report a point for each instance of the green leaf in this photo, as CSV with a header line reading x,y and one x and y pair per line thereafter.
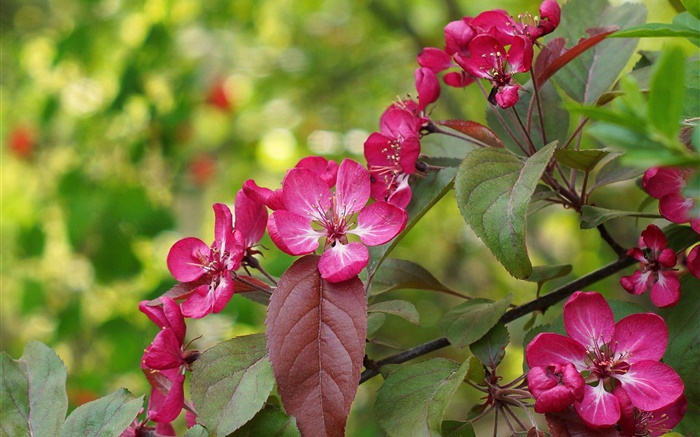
x,y
271,421
452,428
374,322
541,274
680,237
413,399
592,216
588,76
683,350
493,189
584,160
401,274
197,431
666,92
108,416
401,308
469,321
613,171
693,8
476,373
33,398
231,382
491,348
657,30
688,20
426,193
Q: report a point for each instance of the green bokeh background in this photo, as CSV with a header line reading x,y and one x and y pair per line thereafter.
x,y
113,150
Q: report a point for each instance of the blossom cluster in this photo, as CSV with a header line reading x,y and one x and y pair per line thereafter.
x,y
657,262
608,372
320,204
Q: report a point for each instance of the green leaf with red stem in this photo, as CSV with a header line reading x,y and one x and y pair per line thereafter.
x,y
316,333
413,399
33,400
493,189
231,382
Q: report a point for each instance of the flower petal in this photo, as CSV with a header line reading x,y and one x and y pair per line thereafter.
x,y
305,193
548,348
352,188
379,222
223,227
187,258
640,337
343,261
251,218
667,290
654,238
588,319
651,385
662,181
637,283
675,207
164,352
293,233
199,304
598,407
165,408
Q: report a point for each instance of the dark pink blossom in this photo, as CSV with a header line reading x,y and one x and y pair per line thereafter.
x,y
488,59
428,87
167,394
312,212
555,387
208,268
608,355
656,271
693,261
439,60
392,154
637,423
667,184
323,167
167,351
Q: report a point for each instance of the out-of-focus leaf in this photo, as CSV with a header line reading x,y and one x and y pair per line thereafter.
x,y
592,216
374,322
105,417
493,190
584,160
592,72
692,7
197,431
400,308
271,421
475,130
316,332
231,382
469,321
666,94
491,348
541,274
413,399
426,193
33,398
398,274
657,30
452,428
613,171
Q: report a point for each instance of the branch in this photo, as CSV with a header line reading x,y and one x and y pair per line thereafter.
x,y
539,304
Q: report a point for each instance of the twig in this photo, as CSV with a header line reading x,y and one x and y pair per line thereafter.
x,y
539,304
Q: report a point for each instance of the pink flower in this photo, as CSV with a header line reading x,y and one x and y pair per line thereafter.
x,y
610,354
667,184
208,268
439,60
657,271
488,59
391,155
313,211
555,387
324,168
167,349
428,87
636,423
250,222
693,261
167,394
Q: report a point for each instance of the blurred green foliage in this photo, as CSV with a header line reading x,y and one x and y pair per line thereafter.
x,y
123,121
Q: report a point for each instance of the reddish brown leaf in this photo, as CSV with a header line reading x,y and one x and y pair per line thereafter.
x,y
554,62
245,284
316,337
474,130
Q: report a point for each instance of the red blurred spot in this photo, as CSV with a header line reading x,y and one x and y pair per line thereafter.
x,y
202,170
22,142
219,97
